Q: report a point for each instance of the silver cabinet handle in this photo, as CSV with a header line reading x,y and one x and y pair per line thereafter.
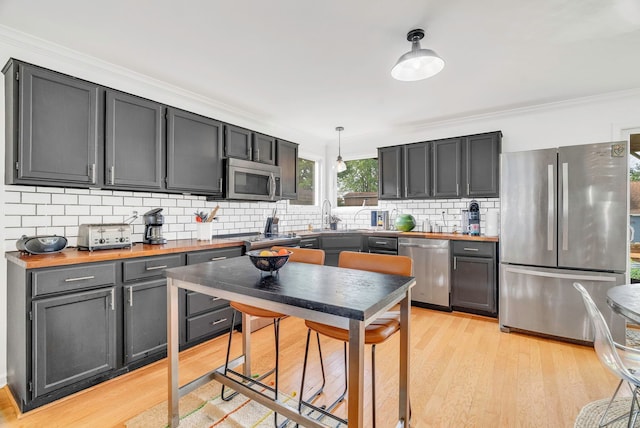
x,y
467,189
213,299
81,278
550,207
257,154
249,151
218,258
112,174
130,296
457,189
565,206
562,275
382,243
157,267
220,183
92,173
455,263
113,299
470,249
219,321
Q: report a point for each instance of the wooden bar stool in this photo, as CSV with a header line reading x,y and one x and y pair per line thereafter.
x,y
298,255
377,332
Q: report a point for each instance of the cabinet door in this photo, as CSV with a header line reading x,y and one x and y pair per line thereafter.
x,y
264,149
194,162
417,170
474,284
390,172
74,338
134,141
446,167
482,165
237,142
145,319
288,162
59,128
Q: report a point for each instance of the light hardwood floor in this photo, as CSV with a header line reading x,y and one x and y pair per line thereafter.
x,y
464,373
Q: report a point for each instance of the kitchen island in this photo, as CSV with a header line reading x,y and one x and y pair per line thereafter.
x,y
326,294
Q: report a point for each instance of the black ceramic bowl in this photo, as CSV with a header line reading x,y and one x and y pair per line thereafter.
x,y
268,263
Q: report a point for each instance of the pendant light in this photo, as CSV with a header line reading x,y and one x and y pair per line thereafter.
x,y
417,64
340,165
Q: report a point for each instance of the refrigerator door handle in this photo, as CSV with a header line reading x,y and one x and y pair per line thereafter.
x,y
565,206
561,275
550,207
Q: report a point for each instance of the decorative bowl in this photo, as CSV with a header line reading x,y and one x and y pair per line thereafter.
x,y
267,263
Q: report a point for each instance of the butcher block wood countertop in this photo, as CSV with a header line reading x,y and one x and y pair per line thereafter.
x,y
72,256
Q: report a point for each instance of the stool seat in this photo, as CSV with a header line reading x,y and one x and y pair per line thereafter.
x,y
376,332
255,311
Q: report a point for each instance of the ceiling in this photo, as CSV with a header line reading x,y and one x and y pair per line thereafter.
x,y
304,67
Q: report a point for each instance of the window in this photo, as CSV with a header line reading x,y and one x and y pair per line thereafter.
x,y
306,183
358,184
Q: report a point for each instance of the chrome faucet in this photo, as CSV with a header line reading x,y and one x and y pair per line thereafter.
x,y
326,214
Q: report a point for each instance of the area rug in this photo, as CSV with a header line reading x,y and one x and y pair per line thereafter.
x,y
589,416
203,407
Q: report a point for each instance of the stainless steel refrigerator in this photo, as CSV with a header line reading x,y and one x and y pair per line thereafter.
x,y
564,218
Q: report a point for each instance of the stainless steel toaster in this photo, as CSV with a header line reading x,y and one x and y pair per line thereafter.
x,y
104,236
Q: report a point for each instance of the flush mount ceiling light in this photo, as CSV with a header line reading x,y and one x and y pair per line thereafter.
x,y
340,165
417,64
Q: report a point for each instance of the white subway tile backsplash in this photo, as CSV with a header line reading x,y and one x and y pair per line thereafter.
x,y
49,231
89,200
122,193
12,197
101,192
35,221
67,220
64,199
101,210
10,233
133,201
12,221
19,209
36,198
77,191
112,200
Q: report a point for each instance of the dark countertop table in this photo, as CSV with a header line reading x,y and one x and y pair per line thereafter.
x,y
625,300
341,297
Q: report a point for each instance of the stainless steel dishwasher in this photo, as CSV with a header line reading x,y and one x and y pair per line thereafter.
x,y
431,269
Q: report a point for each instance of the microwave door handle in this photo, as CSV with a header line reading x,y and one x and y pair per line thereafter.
x,y
272,186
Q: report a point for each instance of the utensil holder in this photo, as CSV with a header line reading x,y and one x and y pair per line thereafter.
x,y
204,231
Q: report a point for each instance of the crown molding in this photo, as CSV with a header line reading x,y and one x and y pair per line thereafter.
x,y
40,49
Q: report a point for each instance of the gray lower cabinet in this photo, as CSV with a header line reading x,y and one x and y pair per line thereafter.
x,y
334,245
48,110
474,280
145,321
310,242
74,338
194,153
204,317
134,142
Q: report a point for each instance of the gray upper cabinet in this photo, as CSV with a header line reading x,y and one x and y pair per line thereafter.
x,y
287,160
53,127
447,168
134,142
390,172
482,165
237,142
417,170
194,149
264,149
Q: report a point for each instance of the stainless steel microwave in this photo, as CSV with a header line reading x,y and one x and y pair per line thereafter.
x,y
253,181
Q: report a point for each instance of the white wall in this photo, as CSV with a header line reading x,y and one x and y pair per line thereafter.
x,y
575,122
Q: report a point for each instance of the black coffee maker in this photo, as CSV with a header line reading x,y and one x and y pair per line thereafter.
x,y
153,221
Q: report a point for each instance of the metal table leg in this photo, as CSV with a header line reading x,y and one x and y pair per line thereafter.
x,y
356,373
172,353
405,363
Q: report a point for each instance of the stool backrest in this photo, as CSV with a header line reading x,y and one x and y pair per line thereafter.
x,y
304,255
381,263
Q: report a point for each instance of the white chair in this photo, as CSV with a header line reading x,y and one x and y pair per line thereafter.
x,y
622,361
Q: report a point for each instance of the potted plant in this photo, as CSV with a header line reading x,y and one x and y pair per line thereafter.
x,y
334,222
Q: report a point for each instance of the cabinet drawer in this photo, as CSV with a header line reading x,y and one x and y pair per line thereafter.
x,y
212,255
209,323
309,243
198,302
472,248
380,242
348,242
67,279
147,268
